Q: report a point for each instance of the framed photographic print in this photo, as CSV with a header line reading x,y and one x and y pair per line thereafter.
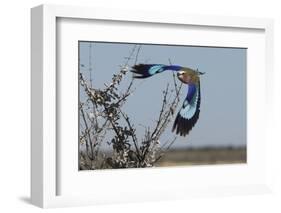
x,y
127,122
149,106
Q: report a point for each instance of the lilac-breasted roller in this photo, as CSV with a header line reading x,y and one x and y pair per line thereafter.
x,y
189,112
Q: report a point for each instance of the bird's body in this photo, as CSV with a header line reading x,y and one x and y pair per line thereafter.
x,y
189,112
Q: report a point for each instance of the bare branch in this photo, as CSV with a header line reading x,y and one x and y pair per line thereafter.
x,y
102,117
164,102
133,135
87,131
163,152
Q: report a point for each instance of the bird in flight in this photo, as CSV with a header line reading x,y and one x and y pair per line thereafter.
x,y
189,112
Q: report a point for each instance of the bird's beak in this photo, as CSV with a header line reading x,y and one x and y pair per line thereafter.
x,y
199,73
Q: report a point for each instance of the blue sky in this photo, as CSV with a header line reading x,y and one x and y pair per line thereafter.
x,y
222,119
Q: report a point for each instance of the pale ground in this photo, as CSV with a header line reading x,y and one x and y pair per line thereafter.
x,y
204,156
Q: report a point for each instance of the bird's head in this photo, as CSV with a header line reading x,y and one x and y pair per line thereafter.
x,y
187,75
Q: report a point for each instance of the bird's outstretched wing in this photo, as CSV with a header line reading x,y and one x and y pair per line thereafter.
x,y
189,113
147,70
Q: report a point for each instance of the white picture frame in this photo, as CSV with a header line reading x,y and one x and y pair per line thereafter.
x,y
45,172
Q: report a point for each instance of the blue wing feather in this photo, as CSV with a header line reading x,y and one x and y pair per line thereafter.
x,y
189,113
147,70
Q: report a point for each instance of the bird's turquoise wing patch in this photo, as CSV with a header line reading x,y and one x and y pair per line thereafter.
x,y
156,69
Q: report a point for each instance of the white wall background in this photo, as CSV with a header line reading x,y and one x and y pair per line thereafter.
x,y
15,103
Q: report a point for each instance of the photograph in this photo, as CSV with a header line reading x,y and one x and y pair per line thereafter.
x,y
160,105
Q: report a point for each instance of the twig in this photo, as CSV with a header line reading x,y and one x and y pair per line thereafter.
x,y
161,111
161,155
134,138
132,80
137,55
88,133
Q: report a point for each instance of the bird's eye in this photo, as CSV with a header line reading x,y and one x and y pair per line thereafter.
x,y
181,72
